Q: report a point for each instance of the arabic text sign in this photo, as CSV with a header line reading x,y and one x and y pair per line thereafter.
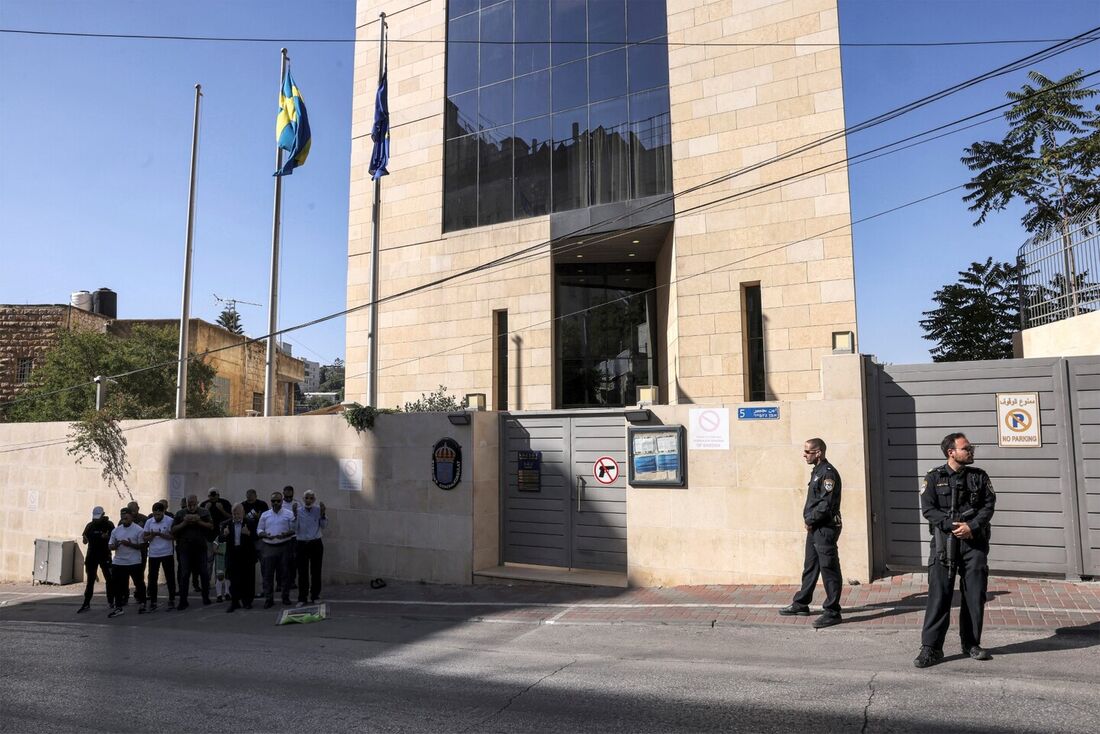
x,y
1018,420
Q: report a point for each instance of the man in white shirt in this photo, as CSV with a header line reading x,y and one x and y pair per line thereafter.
x,y
276,533
126,541
158,534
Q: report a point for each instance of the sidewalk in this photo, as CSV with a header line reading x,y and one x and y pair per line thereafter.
x,y
896,602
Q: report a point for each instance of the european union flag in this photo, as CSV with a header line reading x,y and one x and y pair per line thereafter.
x,y
380,133
292,126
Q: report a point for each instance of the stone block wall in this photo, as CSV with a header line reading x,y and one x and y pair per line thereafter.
x,y
31,331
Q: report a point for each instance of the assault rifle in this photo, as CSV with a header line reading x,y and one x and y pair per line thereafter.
x,y
952,543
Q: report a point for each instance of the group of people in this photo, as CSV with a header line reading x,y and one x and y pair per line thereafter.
x,y
212,543
957,500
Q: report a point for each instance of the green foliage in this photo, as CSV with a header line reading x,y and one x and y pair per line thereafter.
x,y
438,402
361,417
1049,158
97,437
975,317
332,378
81,355
231,320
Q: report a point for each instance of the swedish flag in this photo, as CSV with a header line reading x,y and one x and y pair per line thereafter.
x,y
292,126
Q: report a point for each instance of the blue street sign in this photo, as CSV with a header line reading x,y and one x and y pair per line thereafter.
x,y
770,413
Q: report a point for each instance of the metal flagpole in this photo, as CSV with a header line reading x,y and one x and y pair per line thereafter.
x,y
185,314
273,299
376,211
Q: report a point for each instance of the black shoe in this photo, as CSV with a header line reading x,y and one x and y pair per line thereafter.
x,y
927,656
220,598
181,606
117,611
83,608
268,603
828,619
152,607
800,610
977,652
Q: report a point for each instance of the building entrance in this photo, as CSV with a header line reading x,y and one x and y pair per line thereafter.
x,y
570,511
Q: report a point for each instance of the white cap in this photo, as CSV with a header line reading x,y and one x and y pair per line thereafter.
x,y
97,512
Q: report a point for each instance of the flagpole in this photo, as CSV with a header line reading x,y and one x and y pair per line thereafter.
x,y
271,367
185,314
376,211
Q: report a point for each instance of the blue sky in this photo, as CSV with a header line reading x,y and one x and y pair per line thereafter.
x,y
93,187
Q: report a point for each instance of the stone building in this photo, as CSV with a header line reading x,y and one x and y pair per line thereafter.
x,y
239,384
28,332
622,180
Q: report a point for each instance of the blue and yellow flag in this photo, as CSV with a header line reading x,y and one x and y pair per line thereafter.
x,y
292,126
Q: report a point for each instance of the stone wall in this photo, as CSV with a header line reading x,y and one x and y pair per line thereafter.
x,y
400,525
1073,337
31,331
739,519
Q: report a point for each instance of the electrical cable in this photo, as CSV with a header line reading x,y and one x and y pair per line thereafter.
x,y
1050,52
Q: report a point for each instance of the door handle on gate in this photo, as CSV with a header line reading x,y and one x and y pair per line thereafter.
x,y
580,491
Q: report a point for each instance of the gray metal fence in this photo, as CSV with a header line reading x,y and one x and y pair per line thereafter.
x,y
1060,272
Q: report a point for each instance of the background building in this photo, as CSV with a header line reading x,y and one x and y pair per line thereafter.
x,y
312,380
572,121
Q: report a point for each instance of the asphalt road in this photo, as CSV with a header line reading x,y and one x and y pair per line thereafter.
x,y
367,669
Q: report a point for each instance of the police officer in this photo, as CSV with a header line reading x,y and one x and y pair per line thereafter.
x,y
960,544
822,518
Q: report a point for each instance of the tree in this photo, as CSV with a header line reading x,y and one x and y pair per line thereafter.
x,y
230,319
976,316
438,402
82,355
332,378
1049,158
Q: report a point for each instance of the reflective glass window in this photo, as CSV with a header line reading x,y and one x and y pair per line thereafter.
x,y
495,105
606,25
648,67
532,95
462,56
494,195
651,133
460,183
455,8
569,85
460,116
570,160
568,31
531,149
496,43
645,19
532,34
609,147
607,75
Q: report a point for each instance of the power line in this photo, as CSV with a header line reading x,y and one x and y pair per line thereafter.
x,y
1044,54
601,43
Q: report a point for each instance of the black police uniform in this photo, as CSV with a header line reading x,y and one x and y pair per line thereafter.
x,y
98,557
822,515
974,505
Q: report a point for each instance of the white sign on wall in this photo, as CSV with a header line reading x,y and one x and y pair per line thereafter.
x,y
32,500
1018,420
351,475
177,486
709,429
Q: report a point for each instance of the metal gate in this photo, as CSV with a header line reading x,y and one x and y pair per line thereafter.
x,y
1048,498
1084,389
572,519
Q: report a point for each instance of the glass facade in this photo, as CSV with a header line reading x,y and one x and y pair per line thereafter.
x,y
606,329
550,107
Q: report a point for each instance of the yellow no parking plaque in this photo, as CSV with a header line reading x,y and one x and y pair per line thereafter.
x,y
1018,420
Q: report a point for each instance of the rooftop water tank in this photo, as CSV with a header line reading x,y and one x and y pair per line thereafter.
x,y
105,303
81,300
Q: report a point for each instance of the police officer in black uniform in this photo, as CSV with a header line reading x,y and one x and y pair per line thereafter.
x,y
960,544
822,518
